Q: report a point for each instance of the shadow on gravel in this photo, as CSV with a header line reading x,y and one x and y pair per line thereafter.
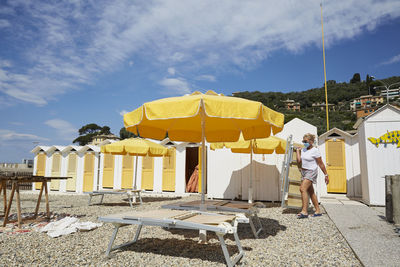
x,y
126,201
157,199
182,248
271,228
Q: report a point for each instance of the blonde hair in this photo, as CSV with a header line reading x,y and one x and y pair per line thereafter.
x,y
309,136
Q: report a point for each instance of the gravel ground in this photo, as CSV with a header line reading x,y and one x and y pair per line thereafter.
x,y
286,240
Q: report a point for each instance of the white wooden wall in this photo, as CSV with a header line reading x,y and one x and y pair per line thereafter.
x,y
376,162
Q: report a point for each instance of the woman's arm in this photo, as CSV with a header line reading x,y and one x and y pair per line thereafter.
x,y
323,169
298,156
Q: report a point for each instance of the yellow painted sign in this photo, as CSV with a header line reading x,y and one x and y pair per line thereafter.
x,y
392,137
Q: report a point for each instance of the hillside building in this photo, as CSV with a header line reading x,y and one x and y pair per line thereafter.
x,y
322,106
365,105
291,105
392,93
101,138
366,102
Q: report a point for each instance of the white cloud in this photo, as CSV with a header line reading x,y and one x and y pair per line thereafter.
x,y
175,86
5,64
4,23
8,135
123,112
67,44
130,63
64,129
206,77
17,123
171,71
393,60
6,10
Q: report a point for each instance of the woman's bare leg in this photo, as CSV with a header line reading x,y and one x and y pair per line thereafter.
x,y
304,187
314,198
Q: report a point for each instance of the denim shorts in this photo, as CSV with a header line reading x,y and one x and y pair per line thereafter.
x,y
309,175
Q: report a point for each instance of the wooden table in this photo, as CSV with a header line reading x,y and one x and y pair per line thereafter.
x,y
18,179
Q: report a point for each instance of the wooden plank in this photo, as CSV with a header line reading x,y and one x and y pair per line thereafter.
x,y
294,173
18,205
294,188
4,189
46,194
293,201
210,219
9,205
38,201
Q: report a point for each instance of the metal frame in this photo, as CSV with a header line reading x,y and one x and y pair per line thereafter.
x,y
251,213
221,230
131,194
285,172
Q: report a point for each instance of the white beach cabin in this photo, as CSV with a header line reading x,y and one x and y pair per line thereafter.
x,y
229,172
379,152
340,153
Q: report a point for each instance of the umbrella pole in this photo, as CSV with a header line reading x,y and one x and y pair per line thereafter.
x,y
134,182
251,173
203,233
203,162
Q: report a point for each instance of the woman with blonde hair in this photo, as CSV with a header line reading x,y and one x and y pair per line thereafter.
x,y
309,158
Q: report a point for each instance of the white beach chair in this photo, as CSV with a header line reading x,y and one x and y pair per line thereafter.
x,y
130,193
248,209
220,224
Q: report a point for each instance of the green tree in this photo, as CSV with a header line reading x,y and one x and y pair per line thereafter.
x,y
124,134
87,132
356,78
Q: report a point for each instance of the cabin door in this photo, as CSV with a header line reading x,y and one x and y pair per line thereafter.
x,y
71,172
147,173
336,165
127,172
88,173
168,181
108,171
55,171
40,168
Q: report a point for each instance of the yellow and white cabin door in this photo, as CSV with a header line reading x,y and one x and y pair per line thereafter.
x,y
336,165
127,172
55,171
40,168
201,170
108,171
71,172
88,172
168,180
147,173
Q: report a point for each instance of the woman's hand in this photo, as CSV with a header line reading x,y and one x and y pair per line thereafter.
x,y
326,179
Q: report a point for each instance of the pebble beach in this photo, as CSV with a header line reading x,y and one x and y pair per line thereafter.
x,y
285,241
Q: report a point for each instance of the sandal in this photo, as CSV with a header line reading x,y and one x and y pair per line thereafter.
x,y
302,216
316,215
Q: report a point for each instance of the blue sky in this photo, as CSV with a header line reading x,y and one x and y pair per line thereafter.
x,y
69,63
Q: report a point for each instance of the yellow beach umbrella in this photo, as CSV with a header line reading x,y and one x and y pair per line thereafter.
x,y
267,145
199,117
135,147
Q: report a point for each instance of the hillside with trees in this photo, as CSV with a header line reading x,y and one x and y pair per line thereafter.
x,y
88,131
339,94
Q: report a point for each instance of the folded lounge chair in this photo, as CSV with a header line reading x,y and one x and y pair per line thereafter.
x,y
221,224
248,209
130,193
